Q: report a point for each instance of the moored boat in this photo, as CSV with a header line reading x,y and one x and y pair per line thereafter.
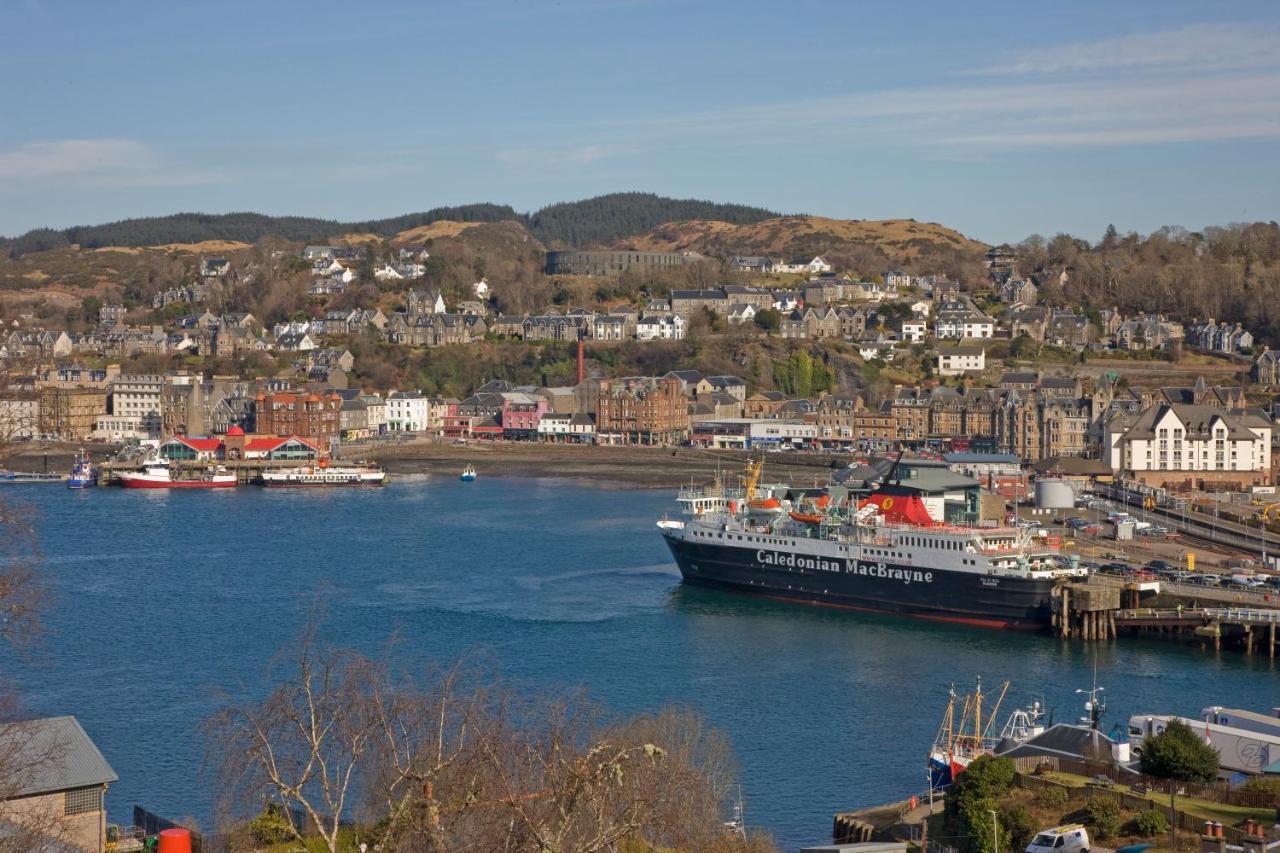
x,y
27,478
324,474
83,475
881,552
468,474
157,474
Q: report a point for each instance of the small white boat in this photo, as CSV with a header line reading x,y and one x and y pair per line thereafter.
x,y
468,474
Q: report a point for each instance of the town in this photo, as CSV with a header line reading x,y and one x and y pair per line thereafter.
x,y
1111,392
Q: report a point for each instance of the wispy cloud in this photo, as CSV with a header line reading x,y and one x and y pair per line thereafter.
x,y
1200,83
1198,47
93,162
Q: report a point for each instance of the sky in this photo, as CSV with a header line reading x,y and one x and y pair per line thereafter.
x,y
998,119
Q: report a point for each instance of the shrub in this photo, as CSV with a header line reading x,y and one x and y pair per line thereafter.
x,y
1103,814
1179,753
271,826
1151,823
1053,797
1020,826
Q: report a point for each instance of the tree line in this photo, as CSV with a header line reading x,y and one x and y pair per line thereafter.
x,y
591,221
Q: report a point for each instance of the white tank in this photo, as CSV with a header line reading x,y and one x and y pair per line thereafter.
x,y
1120,752
1054,494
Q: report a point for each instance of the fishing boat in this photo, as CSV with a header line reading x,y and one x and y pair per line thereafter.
x,y
324,474
83,475
965,733
156,473
468,474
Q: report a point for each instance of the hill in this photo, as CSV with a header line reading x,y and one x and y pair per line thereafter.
x,y
588,222
781,236
857,244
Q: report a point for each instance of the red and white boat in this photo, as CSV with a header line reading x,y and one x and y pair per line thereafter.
x,y
156,474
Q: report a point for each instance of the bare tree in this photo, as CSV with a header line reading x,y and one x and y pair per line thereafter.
x,y
461,764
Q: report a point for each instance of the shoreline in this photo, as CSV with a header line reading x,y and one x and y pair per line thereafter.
x,y
641,467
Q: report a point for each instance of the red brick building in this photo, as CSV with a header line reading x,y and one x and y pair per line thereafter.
x,y
641,410
311,416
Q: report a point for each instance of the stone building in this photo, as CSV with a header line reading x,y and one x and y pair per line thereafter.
x,y
641,410
309,415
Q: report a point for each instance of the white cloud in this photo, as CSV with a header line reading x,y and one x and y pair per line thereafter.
x,y
92,162
1198,47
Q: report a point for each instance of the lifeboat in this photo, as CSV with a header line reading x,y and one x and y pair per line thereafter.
x,y
822,501
807,517
764,503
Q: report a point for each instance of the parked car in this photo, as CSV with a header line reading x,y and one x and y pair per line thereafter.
x,y
1208,580
1160,566
1069,838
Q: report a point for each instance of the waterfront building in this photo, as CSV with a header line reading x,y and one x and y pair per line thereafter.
x,y
641,410
1192,446
311,415
406,411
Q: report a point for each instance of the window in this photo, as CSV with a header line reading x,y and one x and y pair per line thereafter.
x,y
82,800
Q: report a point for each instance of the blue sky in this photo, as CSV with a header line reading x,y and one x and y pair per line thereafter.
x,y
1000,119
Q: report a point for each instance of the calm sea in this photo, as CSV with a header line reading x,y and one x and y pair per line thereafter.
x,y
164,602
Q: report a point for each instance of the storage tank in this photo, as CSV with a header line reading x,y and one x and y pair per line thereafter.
x,y
1054,494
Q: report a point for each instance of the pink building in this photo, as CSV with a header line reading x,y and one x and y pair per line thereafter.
x,y
520,415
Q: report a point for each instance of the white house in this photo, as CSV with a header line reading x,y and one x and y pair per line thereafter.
x,y
921,308
387,272
957,359
661,328
407,411
1168,441
565,426
914,330
481,289
741,312
813,267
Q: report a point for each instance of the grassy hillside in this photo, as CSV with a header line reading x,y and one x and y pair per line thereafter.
x,y
783,236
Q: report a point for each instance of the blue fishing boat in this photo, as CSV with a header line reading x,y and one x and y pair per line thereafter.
x,y
468,474
83,474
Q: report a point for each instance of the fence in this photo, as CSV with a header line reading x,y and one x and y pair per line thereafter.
x,y
152,824
1218,792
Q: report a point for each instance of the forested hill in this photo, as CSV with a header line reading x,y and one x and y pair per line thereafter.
x,y
607,218
581,223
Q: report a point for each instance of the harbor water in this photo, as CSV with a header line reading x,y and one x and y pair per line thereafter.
x,y
166,603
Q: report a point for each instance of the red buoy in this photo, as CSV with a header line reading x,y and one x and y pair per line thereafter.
x,y
176,840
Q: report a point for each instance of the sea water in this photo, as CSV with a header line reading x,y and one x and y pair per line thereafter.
x,y
165,604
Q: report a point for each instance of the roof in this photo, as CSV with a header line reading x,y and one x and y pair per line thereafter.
x,y
199,444
271,442
57,753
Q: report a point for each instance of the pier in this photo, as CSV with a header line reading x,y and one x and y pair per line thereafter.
x,y
1254,629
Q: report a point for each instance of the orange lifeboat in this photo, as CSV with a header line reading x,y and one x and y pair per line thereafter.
x,y
822,501
807,517
764,503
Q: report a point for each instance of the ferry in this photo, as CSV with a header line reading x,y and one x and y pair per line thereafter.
x,y
156,473
882,553
324,474
83,475
468,474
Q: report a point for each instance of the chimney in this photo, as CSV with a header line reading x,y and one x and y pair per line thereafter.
x,y
1254,840
1212,840
582,359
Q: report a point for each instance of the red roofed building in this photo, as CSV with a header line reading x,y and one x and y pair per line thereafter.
x,y
310,416
240,446
186,447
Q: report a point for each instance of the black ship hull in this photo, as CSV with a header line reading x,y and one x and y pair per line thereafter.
x,y
965,597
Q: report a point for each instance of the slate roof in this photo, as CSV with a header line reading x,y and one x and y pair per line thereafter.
x,y
59,754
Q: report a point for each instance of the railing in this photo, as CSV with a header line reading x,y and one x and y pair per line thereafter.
x,y
1237,614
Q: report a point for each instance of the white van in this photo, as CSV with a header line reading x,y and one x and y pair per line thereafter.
x,y
1069,838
